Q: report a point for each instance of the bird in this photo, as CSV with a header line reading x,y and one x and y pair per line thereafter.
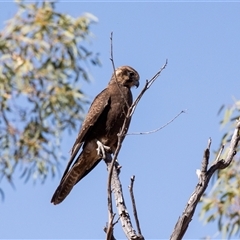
x,y
99,130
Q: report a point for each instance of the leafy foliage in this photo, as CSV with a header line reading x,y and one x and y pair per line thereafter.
x,y
222,203
41,60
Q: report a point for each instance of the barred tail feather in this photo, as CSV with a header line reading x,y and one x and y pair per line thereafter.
x,y
78,171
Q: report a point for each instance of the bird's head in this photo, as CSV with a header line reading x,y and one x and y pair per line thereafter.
x,y
126,76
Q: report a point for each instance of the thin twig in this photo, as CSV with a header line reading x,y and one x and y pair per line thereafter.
x,y
109,191
116,221
114,69
134,205
157,129
146,87
109,230
219,155
111,52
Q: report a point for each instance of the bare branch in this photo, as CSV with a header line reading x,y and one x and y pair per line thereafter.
x,y
109,190
219,155
119,199
113,180
158,129
111,168
114,69
148,84
134,206
204,178
206,156
109,229
111,44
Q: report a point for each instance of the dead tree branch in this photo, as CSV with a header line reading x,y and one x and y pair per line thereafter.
x,y
116,188
109,230
134,206
204,176
113,180
130,234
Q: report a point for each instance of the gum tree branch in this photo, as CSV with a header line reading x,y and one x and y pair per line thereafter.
x,y
113,180
125,219
204,176
134,206
116,188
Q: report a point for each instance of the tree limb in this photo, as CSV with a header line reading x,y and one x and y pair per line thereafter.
x,y
116,188
134,206
113,180
204,176
124,217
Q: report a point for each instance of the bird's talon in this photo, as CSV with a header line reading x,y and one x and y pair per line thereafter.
x,y
101,149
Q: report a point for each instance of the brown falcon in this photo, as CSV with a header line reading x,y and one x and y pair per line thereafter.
x,y
101,125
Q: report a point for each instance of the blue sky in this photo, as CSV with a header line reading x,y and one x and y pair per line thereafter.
x,y
201,42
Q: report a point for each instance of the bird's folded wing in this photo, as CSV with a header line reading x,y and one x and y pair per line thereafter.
x,y
96,109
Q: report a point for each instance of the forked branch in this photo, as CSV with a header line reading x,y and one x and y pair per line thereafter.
x,y
113,180
204,176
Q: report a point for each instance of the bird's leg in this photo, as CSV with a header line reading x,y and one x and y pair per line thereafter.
x,y
101,149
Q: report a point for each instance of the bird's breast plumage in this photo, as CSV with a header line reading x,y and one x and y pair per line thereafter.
x,y
111,121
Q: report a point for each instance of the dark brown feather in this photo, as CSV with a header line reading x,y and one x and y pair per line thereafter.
x,y
103,122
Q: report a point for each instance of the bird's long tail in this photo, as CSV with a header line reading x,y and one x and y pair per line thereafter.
x,y
83,165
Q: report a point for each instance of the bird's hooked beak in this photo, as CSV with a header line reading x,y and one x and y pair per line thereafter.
x,y
137,83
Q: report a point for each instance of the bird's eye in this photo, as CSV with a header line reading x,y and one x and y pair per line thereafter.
x,y
131,74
